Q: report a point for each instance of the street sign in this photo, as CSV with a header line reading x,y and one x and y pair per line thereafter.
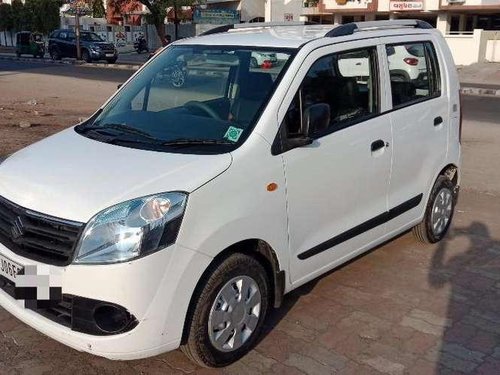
x,y
406,5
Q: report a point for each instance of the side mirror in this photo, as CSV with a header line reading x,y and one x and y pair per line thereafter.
x,y
316,118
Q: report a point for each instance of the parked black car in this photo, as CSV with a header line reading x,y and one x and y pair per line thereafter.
x,y
62,43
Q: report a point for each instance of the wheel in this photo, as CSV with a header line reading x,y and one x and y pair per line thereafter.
x,y
228,312
86,56
438,213
55,55
177,78
254,63
111,61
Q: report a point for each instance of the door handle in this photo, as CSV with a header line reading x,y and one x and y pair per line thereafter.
x,y
377,145
438,121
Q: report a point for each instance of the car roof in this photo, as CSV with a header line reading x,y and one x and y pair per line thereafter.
x,y
267,36
294,35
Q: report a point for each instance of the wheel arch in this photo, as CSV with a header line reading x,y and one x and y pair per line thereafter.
x,y
450,171
263,253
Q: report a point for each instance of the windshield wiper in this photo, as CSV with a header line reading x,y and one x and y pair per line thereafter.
x,y
196,142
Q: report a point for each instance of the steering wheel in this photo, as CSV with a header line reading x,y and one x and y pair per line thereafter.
x,y
204,107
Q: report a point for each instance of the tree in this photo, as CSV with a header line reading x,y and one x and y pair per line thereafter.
x,y
20,17
98,10
44,14
158,12
6,21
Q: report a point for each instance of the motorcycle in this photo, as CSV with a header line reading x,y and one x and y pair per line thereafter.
x,y
141,45
175,75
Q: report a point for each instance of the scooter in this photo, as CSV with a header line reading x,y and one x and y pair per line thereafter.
x,y
141,45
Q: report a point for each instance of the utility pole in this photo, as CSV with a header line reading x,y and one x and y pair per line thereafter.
x,y
176,21
77,32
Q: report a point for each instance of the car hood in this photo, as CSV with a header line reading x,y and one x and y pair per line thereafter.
x,y
104,45
72,177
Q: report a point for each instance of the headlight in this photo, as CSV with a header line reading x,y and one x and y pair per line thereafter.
x,y
132,229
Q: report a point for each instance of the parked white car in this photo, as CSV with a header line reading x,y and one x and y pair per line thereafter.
x,y
260,58
407,62
178,217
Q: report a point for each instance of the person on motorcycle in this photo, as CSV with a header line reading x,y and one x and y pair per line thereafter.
x,y
141,44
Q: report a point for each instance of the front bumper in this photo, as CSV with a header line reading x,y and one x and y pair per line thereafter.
x,y
156,289
102,55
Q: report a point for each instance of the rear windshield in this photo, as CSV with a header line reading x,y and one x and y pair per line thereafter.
x,y
192,98
90,37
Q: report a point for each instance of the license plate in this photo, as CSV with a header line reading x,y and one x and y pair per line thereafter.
x,y
9,268
110,54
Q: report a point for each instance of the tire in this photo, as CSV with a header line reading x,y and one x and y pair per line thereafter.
x,y
111,61
177,78
254,63
55,55
199,343
86,56
432,231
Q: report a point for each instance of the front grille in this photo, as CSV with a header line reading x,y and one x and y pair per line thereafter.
x,y
36,236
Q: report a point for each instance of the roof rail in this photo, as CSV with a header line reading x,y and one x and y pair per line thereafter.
x,y
351,28
219,29
252,25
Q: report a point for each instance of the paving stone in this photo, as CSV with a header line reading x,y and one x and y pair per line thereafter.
x,y
484,342
461,352
258,361
307,365
421,326
451,362
422,367
384,365
490,367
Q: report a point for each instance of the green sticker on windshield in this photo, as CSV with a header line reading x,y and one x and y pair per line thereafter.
x,y
233,134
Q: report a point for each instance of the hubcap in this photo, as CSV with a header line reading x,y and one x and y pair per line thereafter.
x,y
234,314
441,211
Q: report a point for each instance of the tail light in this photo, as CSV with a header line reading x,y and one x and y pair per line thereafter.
x,y
411,61
460,118
267,64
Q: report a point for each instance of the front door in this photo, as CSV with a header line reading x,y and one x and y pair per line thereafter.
x,y
337,186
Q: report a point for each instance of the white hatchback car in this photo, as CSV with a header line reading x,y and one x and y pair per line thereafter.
x,y
181,216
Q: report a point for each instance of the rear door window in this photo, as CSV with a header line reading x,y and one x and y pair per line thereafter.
x,y
414,72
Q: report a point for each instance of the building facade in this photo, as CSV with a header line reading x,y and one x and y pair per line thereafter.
x,y
449,16
250,10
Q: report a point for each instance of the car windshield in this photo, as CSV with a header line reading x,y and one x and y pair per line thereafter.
x,y
192,98
91,37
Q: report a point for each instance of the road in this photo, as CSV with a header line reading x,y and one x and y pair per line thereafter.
x,y
402,308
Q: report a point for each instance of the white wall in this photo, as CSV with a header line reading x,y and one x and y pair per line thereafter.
x,y
7,38
276,9
492,53
251,8
465,48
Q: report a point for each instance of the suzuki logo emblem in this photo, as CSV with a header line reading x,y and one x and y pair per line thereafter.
x,y
17,229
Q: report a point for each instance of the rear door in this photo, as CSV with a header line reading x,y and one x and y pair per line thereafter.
x,y
420,120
